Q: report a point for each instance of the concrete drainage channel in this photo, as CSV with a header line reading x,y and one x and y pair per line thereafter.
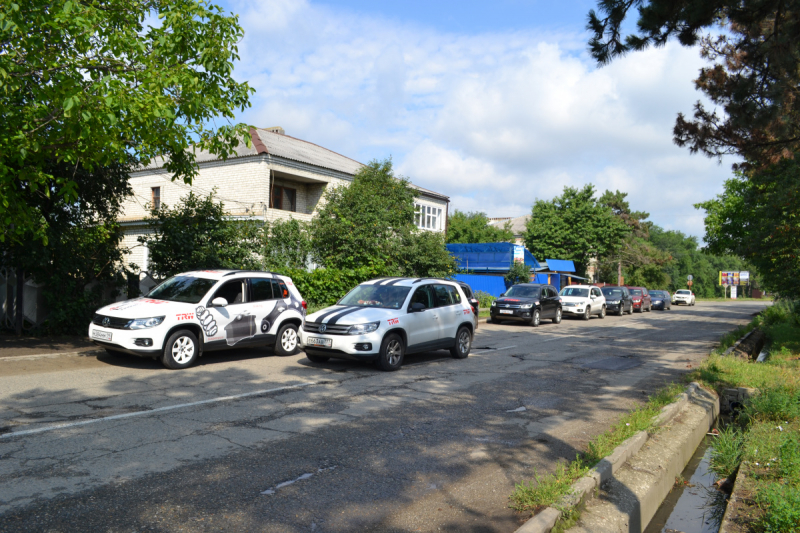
x,y
625,489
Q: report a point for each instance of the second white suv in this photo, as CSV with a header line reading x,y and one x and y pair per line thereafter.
x,y
382,320
583,301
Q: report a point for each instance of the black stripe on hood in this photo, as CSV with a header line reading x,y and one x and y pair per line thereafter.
x,y
329,313
334,319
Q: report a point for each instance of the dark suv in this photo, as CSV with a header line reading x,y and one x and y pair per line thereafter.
x,y
641,299
527,302
618,299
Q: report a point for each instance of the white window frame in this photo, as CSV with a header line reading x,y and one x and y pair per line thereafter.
x,y
427,216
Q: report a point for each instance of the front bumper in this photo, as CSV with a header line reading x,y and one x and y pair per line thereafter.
x,y
679,301
124,340
344,346
515,314
659,305
614,307
573,310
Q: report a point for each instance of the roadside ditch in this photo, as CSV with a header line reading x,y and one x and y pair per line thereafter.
x,y
683,455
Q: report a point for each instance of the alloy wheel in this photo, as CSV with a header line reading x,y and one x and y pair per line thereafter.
x,y
289,340
394,351
182,350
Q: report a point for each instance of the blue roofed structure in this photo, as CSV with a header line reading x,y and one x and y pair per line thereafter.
x,y
490,257
560,265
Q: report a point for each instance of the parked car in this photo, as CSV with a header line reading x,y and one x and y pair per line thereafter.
x,y
197,312
641,299
527,302
382,320
683,296
583,301
661,300
618,299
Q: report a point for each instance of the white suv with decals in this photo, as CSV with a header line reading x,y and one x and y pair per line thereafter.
x,y
384,319
583,301
203,311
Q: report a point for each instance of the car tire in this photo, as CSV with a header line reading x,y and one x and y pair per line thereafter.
x,y
317,358
621,309
287,341
492,320
390,358
460,349
588,313
180,350
602,312
536,319
630,311
557,319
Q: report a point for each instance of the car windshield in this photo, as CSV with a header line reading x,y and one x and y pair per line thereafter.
x,y
182,289
524,291
683,292
636,292
657,294
390,297
573,291
612,293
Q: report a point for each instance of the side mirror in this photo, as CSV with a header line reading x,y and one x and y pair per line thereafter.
x,y
417,307
219,301
502,295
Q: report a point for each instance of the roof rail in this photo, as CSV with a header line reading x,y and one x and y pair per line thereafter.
x,y
232,272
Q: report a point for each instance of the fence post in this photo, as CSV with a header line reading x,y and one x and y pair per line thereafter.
x,y
20,311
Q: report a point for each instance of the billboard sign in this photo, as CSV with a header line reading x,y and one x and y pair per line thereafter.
x,y
733,278
519,254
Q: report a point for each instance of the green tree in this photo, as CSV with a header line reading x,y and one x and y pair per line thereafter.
x,y
88,84
574,226
754,78
370,223
636,259
287,245
757,217
197,235
518,272
80,267
474,227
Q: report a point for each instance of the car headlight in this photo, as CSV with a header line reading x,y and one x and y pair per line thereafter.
x,y
360,329
526,306
494,303
143,323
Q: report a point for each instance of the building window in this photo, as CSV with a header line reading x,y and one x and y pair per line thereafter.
x,y
156,198
284,198
427,217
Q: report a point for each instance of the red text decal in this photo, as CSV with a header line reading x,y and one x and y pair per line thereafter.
x,y
467,311
185,316
393,321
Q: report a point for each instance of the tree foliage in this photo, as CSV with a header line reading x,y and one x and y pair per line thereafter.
x,y
474,227
196,235
89,84
757,217
287,245
370,223
574,226
753,77
518,272
80,267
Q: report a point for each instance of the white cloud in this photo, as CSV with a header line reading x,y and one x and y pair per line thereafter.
x,y
493,120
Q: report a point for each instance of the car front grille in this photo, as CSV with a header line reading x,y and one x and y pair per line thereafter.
x,y
329,329
113,322
509,306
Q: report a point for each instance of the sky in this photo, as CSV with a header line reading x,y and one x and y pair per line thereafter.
x,y
495,104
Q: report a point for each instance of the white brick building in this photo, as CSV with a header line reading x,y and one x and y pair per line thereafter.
x,y
279,177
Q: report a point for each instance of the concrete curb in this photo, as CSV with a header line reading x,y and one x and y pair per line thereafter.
x,y
737,343
583,489
727,521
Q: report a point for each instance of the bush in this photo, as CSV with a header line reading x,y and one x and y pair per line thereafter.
x,y
781,505
776,404
326,286
484,299
727,451
519,272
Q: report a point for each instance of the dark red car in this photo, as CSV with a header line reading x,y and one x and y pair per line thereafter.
x,y
641,299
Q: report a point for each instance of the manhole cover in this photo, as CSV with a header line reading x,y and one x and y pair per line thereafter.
x,y
614,363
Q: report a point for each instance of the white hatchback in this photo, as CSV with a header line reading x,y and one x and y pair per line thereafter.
x,y
382,320
583,301
203,311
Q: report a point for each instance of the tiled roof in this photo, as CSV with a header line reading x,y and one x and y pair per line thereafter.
x,y
518,224
281,145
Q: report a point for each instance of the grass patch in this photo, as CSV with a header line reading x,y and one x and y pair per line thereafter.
x,y
765,439
546,490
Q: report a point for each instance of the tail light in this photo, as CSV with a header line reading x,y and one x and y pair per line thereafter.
x,y
304,304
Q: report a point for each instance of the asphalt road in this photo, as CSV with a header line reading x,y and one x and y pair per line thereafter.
x,y
248,441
